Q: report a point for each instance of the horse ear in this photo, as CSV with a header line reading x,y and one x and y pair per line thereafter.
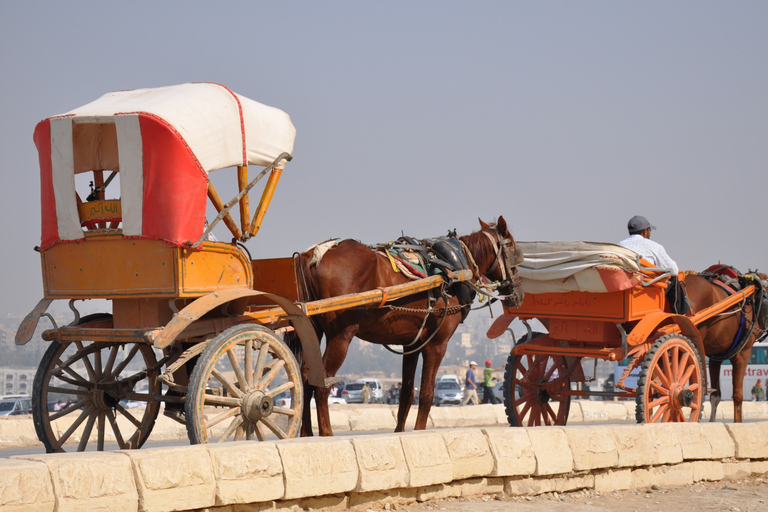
x,y
483,225
501,224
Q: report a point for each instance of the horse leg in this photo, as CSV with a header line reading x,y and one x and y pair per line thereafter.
x,y
739,362
336,348
432,356
406,391
306,411
714,380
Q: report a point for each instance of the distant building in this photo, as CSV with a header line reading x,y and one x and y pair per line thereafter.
x,y
17,381
466,340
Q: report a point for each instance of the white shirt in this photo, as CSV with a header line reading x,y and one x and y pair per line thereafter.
x,y
653,252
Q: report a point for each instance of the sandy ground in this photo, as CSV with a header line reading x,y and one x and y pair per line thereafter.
x,y
749,495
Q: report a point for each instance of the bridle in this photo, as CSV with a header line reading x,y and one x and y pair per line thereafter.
x,y
507,256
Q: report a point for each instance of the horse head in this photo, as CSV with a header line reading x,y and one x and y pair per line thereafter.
x,y
506,257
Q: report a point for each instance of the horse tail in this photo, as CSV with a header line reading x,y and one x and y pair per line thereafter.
x,y
306,293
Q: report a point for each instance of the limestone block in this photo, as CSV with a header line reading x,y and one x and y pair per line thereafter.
x,y
759,467
725,411
469,453
339,420
629,407
592,447
613,480
511,450
17,431
751,440
736,470
634,446
664,476
370,418
553,454
501,415
98,481
427,457
478,486
575,414
694,443
720,441
667,449
483,415
711,470
377,500
593,410
531,486
754,410
438,492
617,411
246,472
314,467
25,486
178,478
381,462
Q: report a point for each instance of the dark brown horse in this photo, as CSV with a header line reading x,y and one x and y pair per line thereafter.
x,y
719,335
351,267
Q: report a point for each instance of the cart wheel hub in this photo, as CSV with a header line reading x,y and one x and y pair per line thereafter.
x,y
256,405
684,398
542,395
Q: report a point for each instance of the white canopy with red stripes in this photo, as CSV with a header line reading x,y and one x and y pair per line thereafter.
x,y
163,142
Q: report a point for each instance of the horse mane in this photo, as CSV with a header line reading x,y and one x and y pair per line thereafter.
x,y
481,250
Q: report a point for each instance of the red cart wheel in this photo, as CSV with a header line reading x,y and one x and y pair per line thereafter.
x,y
533,390
669,387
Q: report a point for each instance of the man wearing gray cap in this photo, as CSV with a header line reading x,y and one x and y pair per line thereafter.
x,y
640,241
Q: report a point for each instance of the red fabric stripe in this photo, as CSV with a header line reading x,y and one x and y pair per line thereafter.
x,y
175,185
616,279
49,226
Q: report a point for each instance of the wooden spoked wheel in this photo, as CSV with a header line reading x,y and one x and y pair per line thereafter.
x,y
95,393
669,387
534,390
232,391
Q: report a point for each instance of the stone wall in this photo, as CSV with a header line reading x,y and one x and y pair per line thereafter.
x,y
363,471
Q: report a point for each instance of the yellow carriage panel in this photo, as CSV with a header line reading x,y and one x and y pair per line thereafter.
x,y
109,266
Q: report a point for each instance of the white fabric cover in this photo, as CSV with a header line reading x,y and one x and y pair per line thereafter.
x,y
131,173
553,267
208,118
63,163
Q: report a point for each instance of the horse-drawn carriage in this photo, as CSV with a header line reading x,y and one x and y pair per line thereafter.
x,y
195,323
603,302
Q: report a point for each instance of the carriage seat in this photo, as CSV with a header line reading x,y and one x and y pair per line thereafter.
x,y
559,267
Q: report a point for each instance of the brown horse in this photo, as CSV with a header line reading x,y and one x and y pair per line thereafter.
x,y
351,267
720,332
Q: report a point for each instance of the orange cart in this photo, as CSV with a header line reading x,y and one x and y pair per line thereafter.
x,y
192,325
602,302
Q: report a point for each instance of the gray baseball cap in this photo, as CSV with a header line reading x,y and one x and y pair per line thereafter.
x,y
638,223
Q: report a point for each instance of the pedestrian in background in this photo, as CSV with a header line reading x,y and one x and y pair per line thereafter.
x,y
489,397
470,386
366,393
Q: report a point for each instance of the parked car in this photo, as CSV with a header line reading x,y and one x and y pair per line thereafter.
x,y
353,392
447,391
15,406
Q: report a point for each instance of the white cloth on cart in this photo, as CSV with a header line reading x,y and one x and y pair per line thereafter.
x,y
556,267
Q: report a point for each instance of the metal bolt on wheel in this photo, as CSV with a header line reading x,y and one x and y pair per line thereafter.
x,y
232,390
670,382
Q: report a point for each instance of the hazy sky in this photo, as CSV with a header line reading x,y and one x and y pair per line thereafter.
x,y
567,118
